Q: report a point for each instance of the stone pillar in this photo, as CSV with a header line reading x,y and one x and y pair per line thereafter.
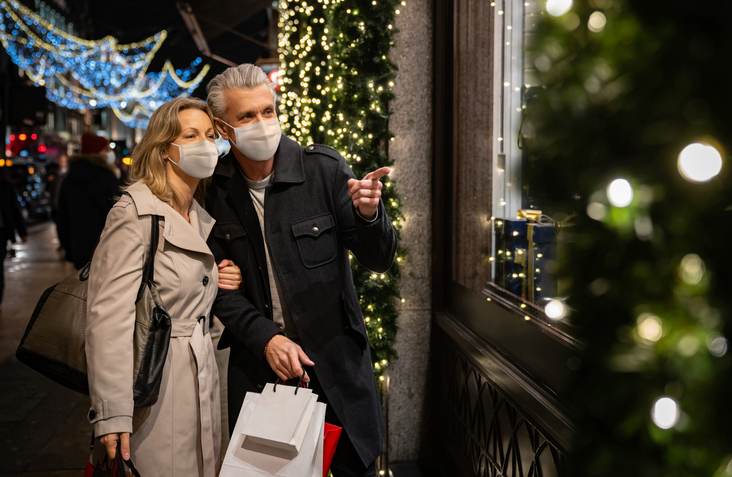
x,y
411,123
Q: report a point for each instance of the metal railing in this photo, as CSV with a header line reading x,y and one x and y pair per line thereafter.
x,y
488,417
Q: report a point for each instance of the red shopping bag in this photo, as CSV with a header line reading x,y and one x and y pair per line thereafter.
x,y
331,436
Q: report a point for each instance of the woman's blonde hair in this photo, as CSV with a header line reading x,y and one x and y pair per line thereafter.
x,y
148,157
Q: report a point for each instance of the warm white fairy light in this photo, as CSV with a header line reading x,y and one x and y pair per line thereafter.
x,y
649,327
555,309
692,269
597,21
699,162
620,193
557,8
596,210
665,412
688,345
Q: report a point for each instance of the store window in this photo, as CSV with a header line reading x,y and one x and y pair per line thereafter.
x,y
524,233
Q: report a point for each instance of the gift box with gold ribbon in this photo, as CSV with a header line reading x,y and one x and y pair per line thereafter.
x,y
525,249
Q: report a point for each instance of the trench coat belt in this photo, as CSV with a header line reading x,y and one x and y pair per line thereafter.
x,y
202,350
184,328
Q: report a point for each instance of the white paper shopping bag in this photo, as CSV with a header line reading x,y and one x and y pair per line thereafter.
x,y
280,419
241,461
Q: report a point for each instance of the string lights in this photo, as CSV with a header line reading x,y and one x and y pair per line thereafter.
x,y
336,85
92,74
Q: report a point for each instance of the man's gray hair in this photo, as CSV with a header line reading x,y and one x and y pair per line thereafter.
x,y
242,76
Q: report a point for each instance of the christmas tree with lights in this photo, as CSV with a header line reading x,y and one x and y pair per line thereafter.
x,y
630,133
336,84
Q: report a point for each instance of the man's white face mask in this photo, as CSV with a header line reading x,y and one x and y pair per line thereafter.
x,y
258,141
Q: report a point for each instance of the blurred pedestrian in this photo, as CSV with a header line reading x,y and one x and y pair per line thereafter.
x,y
86,195
55,179
11,223
179,435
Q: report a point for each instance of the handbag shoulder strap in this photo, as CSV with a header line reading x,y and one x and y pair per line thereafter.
x,y
148,271
148,268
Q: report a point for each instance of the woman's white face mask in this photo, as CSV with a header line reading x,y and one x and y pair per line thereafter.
x,y
258,141
197,159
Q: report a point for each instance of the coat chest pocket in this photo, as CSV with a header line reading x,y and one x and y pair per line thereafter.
x,y
316,241
229,232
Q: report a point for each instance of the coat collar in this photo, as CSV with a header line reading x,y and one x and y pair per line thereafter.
x,y
288,166
189,236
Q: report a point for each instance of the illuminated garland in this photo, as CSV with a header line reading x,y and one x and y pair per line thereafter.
x,y
81,74
165,85
336,84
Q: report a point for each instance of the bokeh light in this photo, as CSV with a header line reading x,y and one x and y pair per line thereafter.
x,y
557,8
665,412
699,162
692,269
555,309
649,327
596,210
620,193
597,22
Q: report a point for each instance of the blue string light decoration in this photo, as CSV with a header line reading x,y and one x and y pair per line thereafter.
x,y
84,74
160,87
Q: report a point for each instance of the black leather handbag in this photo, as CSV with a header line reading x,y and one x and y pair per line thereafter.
x,y
53,342
152,330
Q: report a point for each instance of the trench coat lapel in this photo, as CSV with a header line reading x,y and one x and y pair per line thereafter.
x,y
202,219
188,236
183,234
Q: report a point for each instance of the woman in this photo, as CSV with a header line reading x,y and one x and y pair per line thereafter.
x,y
180,434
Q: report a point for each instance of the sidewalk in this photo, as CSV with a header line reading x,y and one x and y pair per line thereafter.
x,y
43,427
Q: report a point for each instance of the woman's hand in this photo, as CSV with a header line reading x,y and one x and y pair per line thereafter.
x,y
110,443
229,275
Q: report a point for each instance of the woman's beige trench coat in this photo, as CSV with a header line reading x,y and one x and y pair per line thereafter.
x,y
180,435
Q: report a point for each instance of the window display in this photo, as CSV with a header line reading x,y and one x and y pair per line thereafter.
x,y
524,231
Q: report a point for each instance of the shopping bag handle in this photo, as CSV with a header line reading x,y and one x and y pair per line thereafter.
x,y
128,463
298,385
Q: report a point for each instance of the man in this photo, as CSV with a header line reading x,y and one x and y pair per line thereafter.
x,y
288,216
85,198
